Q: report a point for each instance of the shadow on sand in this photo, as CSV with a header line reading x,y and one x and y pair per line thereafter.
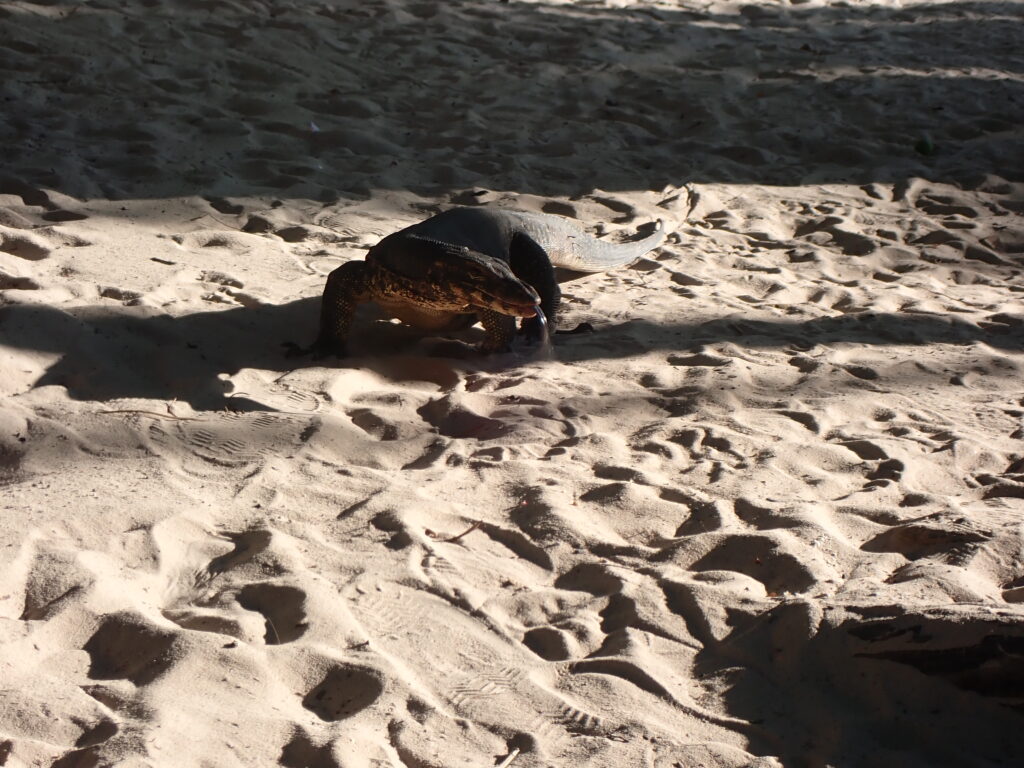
x,y
128,352
327,100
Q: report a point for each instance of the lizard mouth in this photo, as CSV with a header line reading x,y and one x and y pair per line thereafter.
x,y
516,310
526,307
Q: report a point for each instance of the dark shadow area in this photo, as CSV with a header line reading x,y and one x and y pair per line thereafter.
x,y
137,352
890,687
160,98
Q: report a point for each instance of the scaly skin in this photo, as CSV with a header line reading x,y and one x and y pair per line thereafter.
x,y
467,264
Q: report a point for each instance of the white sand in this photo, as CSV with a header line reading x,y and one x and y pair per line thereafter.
x,y
768,513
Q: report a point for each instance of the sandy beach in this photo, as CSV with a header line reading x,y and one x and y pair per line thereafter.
x,y
770,512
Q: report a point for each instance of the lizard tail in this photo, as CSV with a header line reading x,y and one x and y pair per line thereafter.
x,y
570,247
592,255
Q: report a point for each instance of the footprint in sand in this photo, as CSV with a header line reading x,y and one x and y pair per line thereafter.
x,y
282,608
763,557
302,751
952,541
225,206
10,282
626,210
344,691
24,245
127,646
493,671
37,198
75,725
228,442
219,600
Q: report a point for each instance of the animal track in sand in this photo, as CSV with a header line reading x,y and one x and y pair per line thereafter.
x,y
952,540
592,578
86,752
47,594
128,646
23,245
248,545
345,691
302,752
761,558
211,620
232,596
550,643
861,372
806,419
705,516
58,216
373,424
865,449
761,518
511,417
282,608
890,469
625,670
72,720
102,731
30,196
519,545
700,359
225,206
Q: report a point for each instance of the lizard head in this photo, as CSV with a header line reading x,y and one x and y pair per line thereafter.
x,y
487,282
455,277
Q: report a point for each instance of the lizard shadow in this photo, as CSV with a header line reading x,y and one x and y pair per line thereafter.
x,y
104,353
116,352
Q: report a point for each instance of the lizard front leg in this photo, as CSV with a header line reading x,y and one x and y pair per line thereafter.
x,y
347,287
500,330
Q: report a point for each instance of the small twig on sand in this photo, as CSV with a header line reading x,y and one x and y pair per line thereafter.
x,y
508,760
219,221
277,637
469,530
